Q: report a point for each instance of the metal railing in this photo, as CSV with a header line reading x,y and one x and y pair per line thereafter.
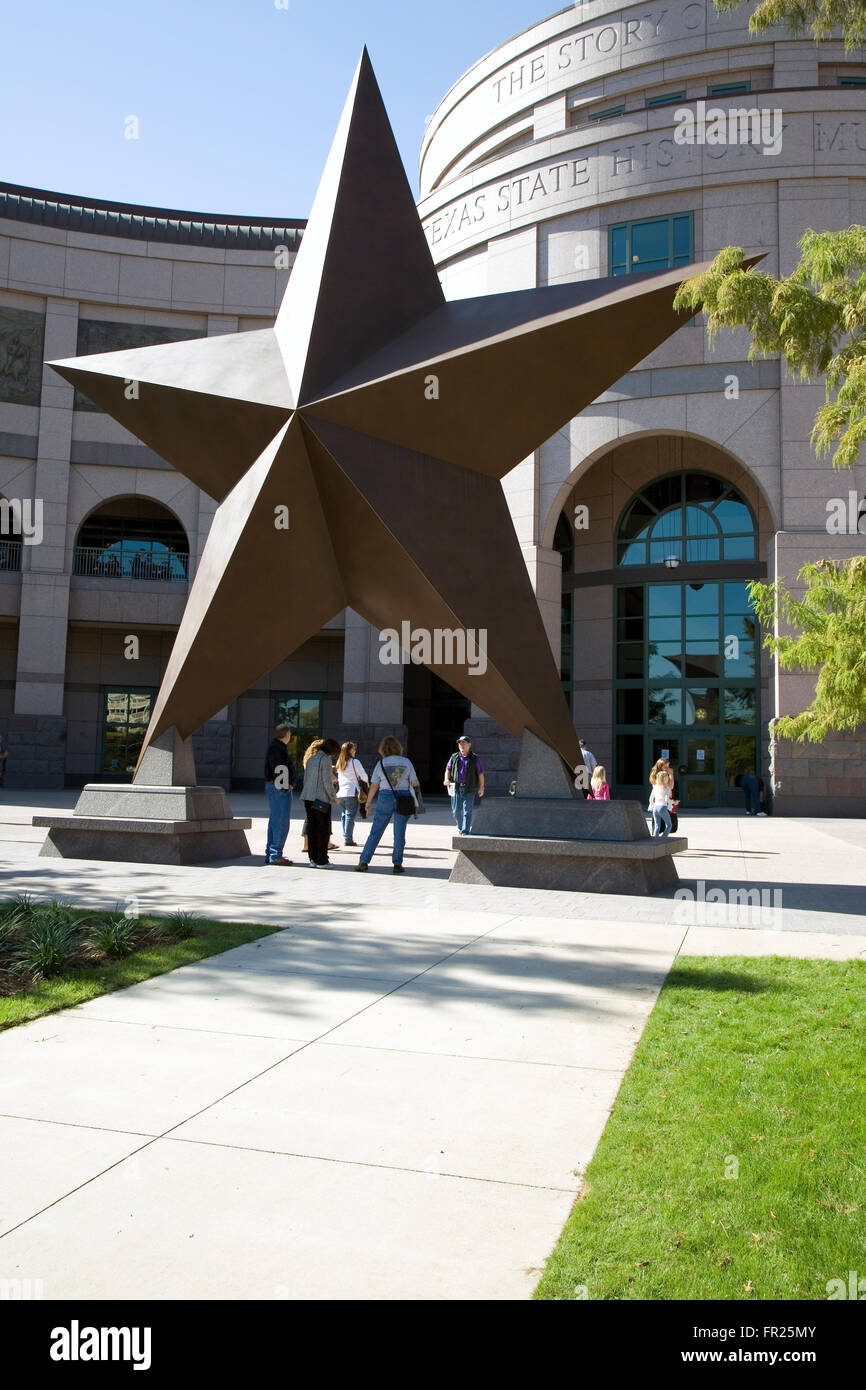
x,y
10,555
163,567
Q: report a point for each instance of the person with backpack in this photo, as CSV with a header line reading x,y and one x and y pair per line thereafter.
x,y
464,780
393,786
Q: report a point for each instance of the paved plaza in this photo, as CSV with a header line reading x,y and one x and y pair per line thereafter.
x,y
393,1097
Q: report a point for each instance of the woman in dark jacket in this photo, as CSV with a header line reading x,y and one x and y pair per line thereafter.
x,y
318,796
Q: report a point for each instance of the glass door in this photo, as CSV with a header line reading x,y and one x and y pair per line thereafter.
x,y
698,772
126,715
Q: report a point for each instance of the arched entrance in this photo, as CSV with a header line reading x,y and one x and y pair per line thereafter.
x,y
660,539
686,680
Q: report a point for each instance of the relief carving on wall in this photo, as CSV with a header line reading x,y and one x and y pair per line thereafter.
x,y
22,335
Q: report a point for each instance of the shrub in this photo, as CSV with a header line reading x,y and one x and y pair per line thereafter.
x,y
115,934
179,925
46,943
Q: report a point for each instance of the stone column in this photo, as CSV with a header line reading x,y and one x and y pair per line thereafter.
x,y
37,729
372,693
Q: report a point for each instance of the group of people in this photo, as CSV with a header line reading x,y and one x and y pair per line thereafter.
x,y
333,775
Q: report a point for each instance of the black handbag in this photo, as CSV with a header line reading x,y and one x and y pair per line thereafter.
x,y
322,806
405,804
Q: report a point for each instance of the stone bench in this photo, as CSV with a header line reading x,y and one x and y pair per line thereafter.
x,y
586,865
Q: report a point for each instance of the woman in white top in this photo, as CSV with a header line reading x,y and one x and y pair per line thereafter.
x,y
661,804
392,782
350,772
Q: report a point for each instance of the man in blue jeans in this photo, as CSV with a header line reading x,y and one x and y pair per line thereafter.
x,y
279,780
464,780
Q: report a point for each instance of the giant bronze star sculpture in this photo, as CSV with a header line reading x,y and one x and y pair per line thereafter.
x,y
383,418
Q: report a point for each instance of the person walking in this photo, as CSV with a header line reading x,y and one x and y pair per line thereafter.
x,y
599,788
590,760
279,780
391,795
319,796
350,776
661,804
464,780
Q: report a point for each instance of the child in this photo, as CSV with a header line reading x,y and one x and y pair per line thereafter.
x,y
599,788
661,804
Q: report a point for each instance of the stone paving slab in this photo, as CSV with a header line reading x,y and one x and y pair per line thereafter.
x,y
142,1079
181,1221
460,1116
43,1162
214,1000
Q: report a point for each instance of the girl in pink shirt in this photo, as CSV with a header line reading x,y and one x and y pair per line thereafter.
x,y
599,788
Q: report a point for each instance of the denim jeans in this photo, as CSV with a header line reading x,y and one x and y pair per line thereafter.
x,y
661,817
462,803
349,805
383,810
279,815
749,784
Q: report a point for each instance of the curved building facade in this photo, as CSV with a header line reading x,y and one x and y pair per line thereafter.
x,y
607,140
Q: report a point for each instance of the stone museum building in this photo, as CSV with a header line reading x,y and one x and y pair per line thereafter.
x,y
576,150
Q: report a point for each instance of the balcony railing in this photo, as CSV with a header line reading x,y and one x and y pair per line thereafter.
x,y
162,566
10,555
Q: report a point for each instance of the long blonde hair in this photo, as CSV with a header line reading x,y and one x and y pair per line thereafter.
x,y
663,764
345,756
598,773
313,748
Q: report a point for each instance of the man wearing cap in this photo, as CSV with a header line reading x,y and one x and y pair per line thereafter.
x,y
464,779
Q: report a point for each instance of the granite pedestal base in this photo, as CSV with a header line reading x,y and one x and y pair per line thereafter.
x,y
582,866
548,836
162,817
147,825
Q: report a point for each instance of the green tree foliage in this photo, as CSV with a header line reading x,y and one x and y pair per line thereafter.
x,y
818,17
814,318
830,620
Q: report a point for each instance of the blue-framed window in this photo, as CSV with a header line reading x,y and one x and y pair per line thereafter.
x,y
661,243
666,98
728,89
686,518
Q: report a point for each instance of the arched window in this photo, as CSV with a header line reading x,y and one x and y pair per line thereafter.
x,y
686,518
132,538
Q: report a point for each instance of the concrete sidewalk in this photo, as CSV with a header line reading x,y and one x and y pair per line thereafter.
x,y
394,1097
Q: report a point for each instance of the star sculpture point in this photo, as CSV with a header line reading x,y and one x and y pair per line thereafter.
x,y
380,418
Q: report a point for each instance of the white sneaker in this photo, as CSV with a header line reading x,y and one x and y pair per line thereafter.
x,y
762,813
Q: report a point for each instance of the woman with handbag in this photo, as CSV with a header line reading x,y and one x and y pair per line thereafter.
x,y
392,794
318,796
353,786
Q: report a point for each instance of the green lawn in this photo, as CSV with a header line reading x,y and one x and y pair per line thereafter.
x,y
754,1068
76,985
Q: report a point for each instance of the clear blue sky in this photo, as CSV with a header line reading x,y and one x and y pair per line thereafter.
x,y
237,100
